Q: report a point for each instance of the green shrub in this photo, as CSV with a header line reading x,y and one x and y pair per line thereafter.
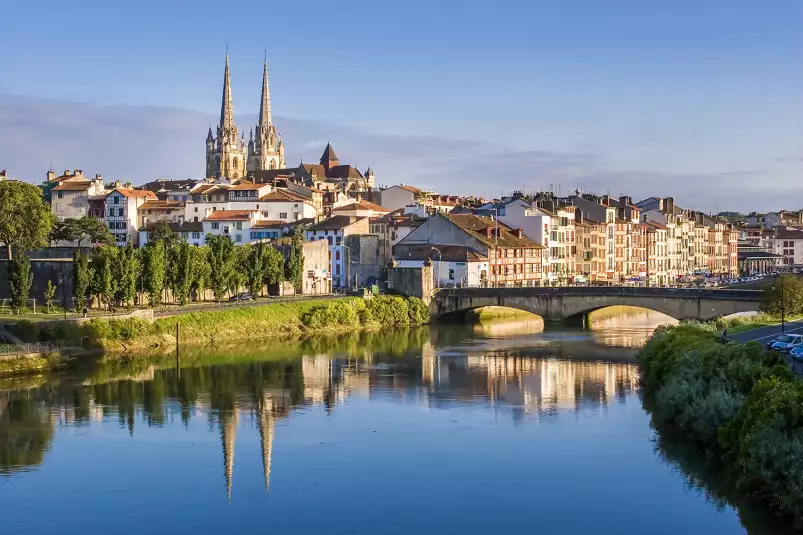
x,y
663,351
123,330
417,311
25,330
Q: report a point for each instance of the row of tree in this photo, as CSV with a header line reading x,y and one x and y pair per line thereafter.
x,y
118,276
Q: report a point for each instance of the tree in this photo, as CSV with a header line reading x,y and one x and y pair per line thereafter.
x,y
162,233
127,271
239,272
104,283
272,266
83,228
294,266
254,268
154,272
50,295
82,279
25,219
786,294
201,272
221,263
19,281
185,265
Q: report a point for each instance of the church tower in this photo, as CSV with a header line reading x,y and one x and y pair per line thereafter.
x,y
266,151
225,154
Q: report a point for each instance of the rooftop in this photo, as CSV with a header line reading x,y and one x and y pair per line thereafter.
x,y
230,215
335,223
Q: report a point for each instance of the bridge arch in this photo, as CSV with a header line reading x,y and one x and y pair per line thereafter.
x,y
562,303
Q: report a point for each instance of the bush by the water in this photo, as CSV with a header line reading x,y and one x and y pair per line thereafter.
x,y
383,310
740,403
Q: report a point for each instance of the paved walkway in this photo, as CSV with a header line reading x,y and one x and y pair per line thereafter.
x,y
764,334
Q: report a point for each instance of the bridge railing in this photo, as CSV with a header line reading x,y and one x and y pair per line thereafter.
x,y
623,291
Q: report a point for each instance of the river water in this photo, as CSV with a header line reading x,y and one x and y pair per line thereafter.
x,y
456,429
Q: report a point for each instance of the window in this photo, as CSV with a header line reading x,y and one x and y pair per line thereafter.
x,y
59,208
337,269
116,200
337,255
238,225
238,238
282,215
196,235
330,241
196,209
60,194
451,274
296,216
215,226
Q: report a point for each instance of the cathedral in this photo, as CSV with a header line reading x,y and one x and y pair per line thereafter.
x,y
227,154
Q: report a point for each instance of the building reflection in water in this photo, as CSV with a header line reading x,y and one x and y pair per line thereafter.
x,y
264,393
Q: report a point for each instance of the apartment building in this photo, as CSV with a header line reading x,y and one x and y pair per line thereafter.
x,y
121,213
334,230
70,196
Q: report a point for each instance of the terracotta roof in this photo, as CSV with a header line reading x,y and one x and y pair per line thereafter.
x,y
73,185
477,227
343,171
411,189
269,223
361,205
448,253
317,169
282,195
230,215
203,188
335,223
135,193
157,204
245,186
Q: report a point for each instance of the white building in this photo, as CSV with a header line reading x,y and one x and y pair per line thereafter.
x,y
121,214
189,231
333,230
70,198
396,197
453,266
236,224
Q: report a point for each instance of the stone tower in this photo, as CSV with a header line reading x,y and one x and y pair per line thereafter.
x,y
329,159
266,151
225,154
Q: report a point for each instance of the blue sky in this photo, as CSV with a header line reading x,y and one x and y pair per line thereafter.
x,y
698,99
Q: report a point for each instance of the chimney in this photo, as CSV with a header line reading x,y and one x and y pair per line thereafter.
x,y
625,200
578,216
78,172
128,185
669,205
519,233
99,177
489,232
51,175
606,200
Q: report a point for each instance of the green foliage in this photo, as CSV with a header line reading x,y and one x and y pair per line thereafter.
x,y
201,271
380,310
221,263
50,295
25,219
125,330
785,295
239,273
254,268
82,279
80,229
185,265
294,267
20,278
162,233
272,266
739,403
104,283
338,314
127,270
155,265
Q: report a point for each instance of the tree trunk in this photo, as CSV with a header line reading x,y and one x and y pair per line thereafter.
x,y
8,251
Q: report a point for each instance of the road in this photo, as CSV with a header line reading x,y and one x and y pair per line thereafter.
x,y
764,334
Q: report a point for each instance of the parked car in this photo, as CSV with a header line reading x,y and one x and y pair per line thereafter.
x,y
244,296
786,342
797,353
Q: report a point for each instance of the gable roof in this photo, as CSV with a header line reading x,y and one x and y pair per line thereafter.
x,y
477,227
230,215
343,171
73,185
135,193
158,204
361,205
335,223
315,168
329,154
282,195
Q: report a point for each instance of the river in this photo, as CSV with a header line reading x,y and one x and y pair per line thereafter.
x,y
500,427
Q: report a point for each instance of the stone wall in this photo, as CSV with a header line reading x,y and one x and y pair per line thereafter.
x,y
412,281
43,270
364,266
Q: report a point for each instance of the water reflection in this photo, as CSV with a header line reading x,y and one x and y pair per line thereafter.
x,y
624,326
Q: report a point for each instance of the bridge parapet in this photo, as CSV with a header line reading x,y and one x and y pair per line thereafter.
x,y
561,303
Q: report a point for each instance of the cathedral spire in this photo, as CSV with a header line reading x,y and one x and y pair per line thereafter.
x,y
226,107
264,107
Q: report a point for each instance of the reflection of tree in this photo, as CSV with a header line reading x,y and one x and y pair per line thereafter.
x,y
702,475
26,432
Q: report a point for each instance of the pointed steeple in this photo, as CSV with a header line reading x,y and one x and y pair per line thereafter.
x,y
209,136
226,107
267,425
264,108
329,156
228,432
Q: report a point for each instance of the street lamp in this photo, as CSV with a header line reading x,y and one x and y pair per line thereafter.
x,y
63,296
783,303
438,272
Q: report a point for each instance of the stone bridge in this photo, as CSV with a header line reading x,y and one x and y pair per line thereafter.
x,y
557,304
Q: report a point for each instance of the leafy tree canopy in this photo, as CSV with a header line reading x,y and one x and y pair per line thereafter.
x,y
25,218
81,229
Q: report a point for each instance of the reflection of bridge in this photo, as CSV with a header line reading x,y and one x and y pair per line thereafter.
x,y
556,304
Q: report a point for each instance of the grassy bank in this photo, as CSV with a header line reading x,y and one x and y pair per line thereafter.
x,y
741,324
278,320
739,405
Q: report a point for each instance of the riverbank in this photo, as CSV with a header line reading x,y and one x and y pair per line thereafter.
x,y
737,404
277,321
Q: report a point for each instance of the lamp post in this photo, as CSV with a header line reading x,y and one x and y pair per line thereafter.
x,y
783,302
438,271
496,245
63,296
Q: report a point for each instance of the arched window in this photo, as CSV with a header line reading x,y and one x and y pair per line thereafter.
x,y
273,164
